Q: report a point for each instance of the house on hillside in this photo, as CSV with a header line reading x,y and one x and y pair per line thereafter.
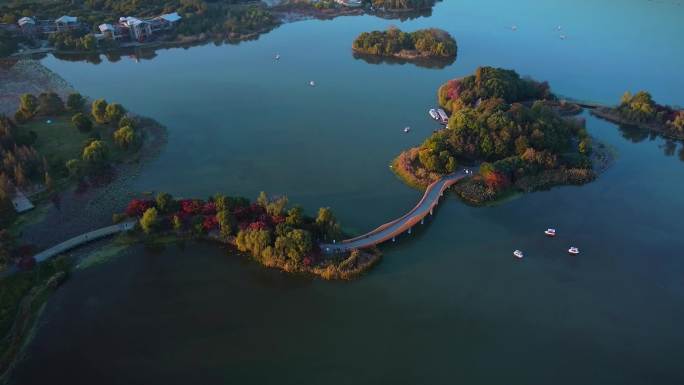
x,y
350,3
67,23
27,26
164,22
114,32
139,30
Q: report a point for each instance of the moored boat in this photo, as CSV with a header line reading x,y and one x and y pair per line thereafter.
x,y
550,232
518,254
312,83
573,251
443,117
407,129
433,114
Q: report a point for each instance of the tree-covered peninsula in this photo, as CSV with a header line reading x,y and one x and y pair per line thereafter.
x,y
641,110
510,127
422,44
271,232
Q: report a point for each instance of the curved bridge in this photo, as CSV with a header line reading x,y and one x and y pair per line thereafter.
x,y
83,239
398,226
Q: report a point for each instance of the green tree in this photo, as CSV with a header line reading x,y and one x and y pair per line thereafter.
x,y
253,241
114,112
295,217
164,202
262,199
125,136
275,207
75,168
226,222
81,122
28,104
95,153
7,213
126,121
222,202
584,146
177,223
327,224
75,102
89,42
49,103
99,111
295,245
149,220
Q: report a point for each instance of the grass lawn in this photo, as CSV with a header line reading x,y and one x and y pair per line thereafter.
x,y
59,141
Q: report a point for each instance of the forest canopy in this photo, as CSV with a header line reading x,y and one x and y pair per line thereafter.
x,y
394,42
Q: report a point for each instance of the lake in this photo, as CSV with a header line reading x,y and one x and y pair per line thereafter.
x,y
450,306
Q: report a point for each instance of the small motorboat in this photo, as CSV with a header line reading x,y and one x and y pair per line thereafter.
x,y
277,56
443,117
562,37
514,28
559,28
312,83
573,251
550,232
518,254
434,114
407,129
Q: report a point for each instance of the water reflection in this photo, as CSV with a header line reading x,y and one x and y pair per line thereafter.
x,y
636,134
432,63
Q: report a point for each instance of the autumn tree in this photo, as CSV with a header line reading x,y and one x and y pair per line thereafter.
x,y
114,112
149,220
95,153
125,136
99,111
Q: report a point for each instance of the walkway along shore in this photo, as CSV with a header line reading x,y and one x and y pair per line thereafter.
x,y
403,224
83,239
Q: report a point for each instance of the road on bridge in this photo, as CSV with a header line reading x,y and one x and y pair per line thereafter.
x,y
398,226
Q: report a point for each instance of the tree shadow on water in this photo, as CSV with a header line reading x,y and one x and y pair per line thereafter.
x,y
431,63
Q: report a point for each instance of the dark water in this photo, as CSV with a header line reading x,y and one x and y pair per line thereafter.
x,y
452,305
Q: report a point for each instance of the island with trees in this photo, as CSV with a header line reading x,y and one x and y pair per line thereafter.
x,y
420,46
642,111
272,233
507,125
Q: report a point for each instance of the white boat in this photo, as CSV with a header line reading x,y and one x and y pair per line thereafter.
x,y
559,28
573,251
550,232
518,254
312,83
277,56
514,28
407,129
434,114
443,117
562,37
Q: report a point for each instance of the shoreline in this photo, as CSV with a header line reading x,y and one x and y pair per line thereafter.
x,y
608,114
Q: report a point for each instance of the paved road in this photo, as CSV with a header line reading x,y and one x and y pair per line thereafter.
x,y
398,226
83,239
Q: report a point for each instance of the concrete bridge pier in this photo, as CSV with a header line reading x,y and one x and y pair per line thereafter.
x,y
422,221
409,231
394,239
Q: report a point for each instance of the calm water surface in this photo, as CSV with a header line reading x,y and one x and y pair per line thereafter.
x,y
452,305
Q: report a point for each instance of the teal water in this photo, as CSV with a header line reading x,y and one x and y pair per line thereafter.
x,y
452,305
